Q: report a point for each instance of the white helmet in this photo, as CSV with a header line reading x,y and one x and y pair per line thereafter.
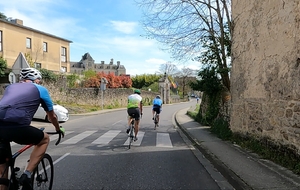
x,y
30,74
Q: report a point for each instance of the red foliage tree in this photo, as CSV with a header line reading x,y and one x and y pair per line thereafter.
x,y
122,81
125,81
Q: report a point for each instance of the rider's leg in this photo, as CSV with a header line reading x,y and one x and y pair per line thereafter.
x,y
3,175
136,127
38,153
153,114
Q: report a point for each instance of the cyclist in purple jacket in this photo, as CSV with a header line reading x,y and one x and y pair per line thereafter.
x,y
17,108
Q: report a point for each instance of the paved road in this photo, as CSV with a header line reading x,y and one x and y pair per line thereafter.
x,y
94,154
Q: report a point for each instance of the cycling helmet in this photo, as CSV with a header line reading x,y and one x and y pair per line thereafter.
x,y
158,96
137,91
30,74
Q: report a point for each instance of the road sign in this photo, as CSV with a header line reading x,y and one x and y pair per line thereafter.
x,y
11,77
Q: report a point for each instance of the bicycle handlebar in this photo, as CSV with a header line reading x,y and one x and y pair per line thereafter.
x,y
54,133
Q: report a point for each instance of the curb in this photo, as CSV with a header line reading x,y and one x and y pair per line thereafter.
x,y
234,180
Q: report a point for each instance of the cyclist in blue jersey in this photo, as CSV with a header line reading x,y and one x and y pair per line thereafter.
x,y
157,105
17,107
135,107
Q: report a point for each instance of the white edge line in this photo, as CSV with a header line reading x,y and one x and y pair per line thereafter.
x,y
62,157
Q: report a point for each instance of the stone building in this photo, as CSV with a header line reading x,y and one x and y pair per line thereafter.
x,y
265,83
88,63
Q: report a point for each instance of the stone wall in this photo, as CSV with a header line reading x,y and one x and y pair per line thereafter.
x,y
265,83
93,96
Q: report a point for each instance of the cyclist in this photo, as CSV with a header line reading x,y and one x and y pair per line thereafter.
x,y
157,105
17,107
135,107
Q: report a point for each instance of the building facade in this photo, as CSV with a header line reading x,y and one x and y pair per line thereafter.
x,y
45,50
88,63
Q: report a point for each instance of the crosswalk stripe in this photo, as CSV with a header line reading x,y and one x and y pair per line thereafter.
x,y
140,136
78,137
163,140
106,137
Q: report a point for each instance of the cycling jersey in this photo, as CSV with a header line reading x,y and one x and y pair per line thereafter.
x,y
157,103
20,102
134,101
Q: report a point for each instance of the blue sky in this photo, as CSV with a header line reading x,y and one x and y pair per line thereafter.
x,y
107,29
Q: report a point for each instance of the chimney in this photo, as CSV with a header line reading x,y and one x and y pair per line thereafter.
x,y
17,21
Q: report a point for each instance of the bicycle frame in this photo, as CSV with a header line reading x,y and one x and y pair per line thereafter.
x,y
12,182
155,120
131,132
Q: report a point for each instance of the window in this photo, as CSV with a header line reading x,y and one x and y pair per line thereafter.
x,y
28,43
63,69
63,54
45,46
38,65
0,40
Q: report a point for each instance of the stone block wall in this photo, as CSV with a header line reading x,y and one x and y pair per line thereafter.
x,y
265,76
93,96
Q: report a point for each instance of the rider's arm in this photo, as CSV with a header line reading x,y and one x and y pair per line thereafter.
x,y
141,106
53,119
47,104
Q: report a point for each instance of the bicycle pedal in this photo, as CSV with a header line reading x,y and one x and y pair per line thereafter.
x,y
16,169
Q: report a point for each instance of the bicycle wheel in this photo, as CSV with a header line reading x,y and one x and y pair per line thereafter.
x,y
130,137
155,121
42,177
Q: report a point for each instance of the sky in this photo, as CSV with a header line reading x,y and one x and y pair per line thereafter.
x,y
106,29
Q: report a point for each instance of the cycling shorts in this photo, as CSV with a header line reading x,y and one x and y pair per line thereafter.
x,y
23,135
157,109
134,112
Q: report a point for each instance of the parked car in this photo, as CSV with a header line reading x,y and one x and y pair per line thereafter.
x,y
61,112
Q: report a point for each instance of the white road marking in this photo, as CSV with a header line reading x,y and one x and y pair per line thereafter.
x,y
163,140
106,137
78,137
140,136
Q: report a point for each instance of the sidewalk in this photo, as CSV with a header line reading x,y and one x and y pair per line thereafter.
x,y
242,169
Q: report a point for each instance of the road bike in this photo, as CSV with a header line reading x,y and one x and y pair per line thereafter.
x,y
42,176
155,120
131,131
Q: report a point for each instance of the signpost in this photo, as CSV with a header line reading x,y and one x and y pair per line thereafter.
x,y
103,83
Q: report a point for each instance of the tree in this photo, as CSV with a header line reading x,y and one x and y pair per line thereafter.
x,y
3,66
185,26
184,77
2,16
125,81
168,68
144,81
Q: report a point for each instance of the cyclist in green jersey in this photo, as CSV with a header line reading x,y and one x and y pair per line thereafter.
x,y
134,109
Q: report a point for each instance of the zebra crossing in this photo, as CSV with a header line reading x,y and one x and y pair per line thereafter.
x,y
162,139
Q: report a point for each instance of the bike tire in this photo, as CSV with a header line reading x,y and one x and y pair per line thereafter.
x,y
130,137
155,122
42,177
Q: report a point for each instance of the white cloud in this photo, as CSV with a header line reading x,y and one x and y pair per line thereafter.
x,y
124,27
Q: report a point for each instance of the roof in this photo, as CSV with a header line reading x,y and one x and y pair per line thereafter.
x,y
34,30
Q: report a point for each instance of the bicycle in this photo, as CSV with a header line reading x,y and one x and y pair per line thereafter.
x,y
155,120
42,176
131,131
